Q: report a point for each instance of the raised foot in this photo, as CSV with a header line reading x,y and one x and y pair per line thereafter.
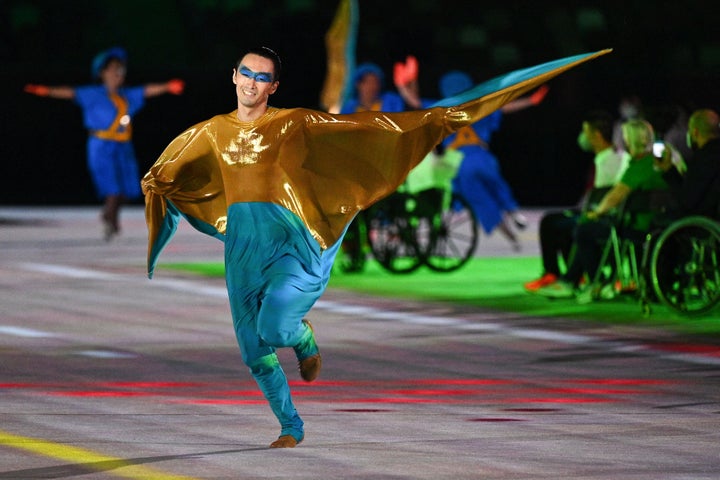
x,y
310,367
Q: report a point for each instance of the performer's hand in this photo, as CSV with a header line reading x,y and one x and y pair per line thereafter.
x,y
412,68
664,161
176,86
39,90
399,74
539,95
405,73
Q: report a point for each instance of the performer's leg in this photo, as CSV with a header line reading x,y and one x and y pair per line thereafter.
x,y
556,236
287,299
102,171
270,377
110,215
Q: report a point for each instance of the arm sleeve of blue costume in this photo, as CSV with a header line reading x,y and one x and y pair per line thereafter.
x,y
136,98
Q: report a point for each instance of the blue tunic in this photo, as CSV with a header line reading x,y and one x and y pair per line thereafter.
x,y
112,163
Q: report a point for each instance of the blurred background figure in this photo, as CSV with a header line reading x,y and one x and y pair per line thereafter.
x,y
108,108
629,108
370,93
479,179
594,227
557,227
696,183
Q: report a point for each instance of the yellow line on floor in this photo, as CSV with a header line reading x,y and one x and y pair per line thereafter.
x,y
86,458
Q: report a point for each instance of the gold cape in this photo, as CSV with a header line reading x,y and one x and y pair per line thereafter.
x,y
322,167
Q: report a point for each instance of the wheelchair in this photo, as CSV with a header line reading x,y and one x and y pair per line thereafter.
x,y
422,223
432,227
680,267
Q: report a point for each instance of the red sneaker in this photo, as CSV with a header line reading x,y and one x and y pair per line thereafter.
x,y
535,285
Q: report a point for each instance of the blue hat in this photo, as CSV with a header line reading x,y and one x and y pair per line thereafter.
x,y
365,68
102,59
454,82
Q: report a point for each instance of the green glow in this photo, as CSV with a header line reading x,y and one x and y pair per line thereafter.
x,y
495,284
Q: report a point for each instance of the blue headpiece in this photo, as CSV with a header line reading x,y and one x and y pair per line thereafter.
x,y
454,82
102,59
365,68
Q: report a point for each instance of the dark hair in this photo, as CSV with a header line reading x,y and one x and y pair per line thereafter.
x,y
103,59
601,121
268,53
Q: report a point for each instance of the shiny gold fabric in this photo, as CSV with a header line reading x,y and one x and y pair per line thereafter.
x,y
323,167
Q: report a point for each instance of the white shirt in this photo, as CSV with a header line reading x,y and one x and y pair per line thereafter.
x,y
609,167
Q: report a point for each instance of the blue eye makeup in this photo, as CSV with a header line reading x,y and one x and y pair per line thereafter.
x,y
260,77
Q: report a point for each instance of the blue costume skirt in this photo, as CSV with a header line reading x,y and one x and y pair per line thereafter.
x,y
113,168
481,183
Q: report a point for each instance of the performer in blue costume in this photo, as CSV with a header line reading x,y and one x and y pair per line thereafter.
x,y
369,94
479,179
369,82
108,109
280,186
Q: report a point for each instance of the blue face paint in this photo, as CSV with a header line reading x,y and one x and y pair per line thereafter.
x,y
260,77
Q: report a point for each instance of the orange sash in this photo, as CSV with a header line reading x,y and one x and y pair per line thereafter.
x,y
117,131
467,136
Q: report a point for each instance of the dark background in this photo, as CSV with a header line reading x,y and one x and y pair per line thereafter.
x,y
666,53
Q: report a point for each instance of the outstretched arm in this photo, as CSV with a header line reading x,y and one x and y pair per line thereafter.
x,y
174,86
63,92
530,101
405,77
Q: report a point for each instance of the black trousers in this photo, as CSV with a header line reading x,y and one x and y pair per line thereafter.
x,y
556,238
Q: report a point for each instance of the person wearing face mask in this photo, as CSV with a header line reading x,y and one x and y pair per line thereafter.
x,y
594,226
108,108
698,188
556,227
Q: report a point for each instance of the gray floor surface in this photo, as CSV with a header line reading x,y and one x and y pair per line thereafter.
x,y
106,374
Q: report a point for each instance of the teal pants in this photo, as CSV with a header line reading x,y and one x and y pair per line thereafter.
x,y
275,271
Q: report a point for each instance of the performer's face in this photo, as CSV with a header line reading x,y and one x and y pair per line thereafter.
x,y
250,80
113,75
368,87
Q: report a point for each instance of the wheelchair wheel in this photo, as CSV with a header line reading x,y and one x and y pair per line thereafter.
x,y
684,266
352,255
392,236
453,237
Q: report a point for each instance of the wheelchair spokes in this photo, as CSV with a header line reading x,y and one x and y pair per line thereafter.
x,y
406,231
684,267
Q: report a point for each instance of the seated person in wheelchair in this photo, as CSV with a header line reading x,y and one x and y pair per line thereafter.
x,y
697,186
594,228
557,227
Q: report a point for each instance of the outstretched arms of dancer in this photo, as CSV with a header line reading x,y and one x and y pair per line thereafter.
x,y
64,92
174,87
405,77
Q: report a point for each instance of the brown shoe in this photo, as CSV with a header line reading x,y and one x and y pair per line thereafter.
x,y
310,366
284,441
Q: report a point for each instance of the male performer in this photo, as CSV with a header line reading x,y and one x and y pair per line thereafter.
x,y
280,187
